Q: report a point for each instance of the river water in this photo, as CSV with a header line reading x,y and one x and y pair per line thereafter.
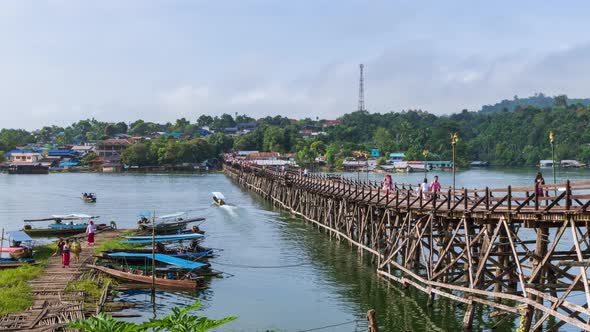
x,y
282,273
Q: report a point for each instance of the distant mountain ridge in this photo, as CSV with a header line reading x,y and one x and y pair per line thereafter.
x,y
538,100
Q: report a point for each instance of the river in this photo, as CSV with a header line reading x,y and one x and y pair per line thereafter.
x,y
281,273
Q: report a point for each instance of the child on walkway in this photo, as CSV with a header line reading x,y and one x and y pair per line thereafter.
x,y
59,248
65,255
76,249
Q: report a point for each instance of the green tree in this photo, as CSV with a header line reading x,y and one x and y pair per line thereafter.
x,y
137,155
220,143
204,120
10,138
384,141
331,152
560,101
88,158
305,156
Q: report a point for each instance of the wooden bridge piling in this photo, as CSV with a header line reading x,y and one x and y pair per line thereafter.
x,y
505,248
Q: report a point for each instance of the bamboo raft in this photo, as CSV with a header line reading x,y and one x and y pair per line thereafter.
x,y
511,249
53,306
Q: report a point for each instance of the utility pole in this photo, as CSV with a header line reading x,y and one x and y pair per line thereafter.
x,y
362,89
454,139
552,142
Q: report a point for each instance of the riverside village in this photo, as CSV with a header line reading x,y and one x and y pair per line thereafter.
x,y
191,166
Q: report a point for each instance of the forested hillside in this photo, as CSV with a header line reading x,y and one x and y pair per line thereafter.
x,y
518,137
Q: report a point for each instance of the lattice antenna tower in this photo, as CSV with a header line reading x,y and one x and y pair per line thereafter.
x,y
362,89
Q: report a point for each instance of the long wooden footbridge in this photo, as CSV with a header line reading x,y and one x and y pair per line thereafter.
x,y
512,249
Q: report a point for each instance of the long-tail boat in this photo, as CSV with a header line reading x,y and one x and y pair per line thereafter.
x,y
167,224
89,197
179,280
184,273
58,228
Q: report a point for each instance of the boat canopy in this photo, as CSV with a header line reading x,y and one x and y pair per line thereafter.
x,y
165,237
146,214
172,215
73,216
218,195
162,258
19,236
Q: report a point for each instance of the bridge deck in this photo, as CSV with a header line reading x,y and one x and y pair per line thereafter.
x,y
514,249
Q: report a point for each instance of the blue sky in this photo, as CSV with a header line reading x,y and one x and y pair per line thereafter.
x,y
61,61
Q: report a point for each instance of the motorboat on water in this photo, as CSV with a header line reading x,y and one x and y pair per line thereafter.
x,y
218,198
89,197
62,226
174,223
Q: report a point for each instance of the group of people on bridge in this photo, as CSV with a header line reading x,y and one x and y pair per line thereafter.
x,y
425,188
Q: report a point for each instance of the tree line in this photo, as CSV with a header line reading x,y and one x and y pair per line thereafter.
x,y
518,137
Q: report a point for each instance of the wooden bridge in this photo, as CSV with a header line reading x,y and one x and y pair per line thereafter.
x,y
511,249
54,305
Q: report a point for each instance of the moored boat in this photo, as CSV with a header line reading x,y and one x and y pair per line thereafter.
x,y
6,263
58,228
123,256
179,279
167,224
20,245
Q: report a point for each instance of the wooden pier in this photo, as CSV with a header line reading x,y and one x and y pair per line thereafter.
x,y
512,249
53,305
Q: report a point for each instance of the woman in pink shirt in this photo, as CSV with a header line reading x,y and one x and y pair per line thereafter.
x,y
435,185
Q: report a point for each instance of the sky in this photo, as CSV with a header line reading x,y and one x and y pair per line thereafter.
x,y
62,61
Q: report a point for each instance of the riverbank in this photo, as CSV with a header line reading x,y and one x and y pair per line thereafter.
x,y
50,294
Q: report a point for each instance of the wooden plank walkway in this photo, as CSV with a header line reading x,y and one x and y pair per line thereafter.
x,y
53,306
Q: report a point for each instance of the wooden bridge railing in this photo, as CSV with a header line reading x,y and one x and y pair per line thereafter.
x,y
563,198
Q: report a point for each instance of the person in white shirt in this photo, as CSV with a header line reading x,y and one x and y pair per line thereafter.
x,y
90,231
424,188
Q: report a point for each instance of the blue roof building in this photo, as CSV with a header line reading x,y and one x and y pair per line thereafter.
x,y
375,153
61,153
397,156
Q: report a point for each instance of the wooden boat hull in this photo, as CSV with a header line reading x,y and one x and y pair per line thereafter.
x,y
89,199
46,232
23,253
169,283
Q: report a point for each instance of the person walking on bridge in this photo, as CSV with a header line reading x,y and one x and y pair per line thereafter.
x,y
387,182
435,186
424,188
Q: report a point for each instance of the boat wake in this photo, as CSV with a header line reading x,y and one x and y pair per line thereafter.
x,y
230,209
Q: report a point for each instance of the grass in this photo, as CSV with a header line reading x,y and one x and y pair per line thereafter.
x,y
41,253
115,244
15,293
93,286
88,286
